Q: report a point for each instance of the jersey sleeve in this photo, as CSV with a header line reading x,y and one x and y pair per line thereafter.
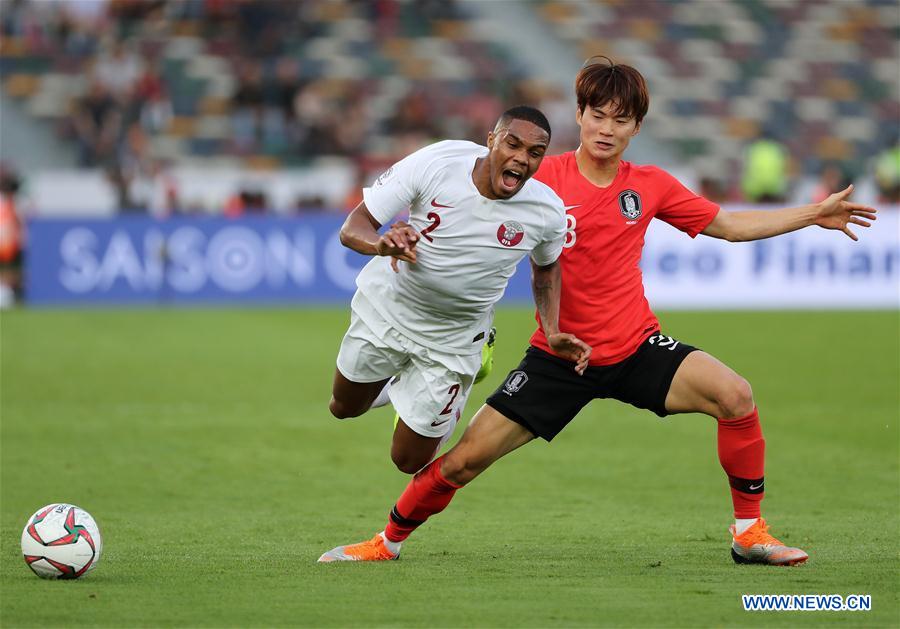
x,y
549,250
685,210
397,187
546,173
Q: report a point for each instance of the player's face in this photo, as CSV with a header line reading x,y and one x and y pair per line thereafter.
x,y
605,132
516,152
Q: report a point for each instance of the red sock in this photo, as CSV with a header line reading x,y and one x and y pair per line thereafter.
x,y
742,453
427,493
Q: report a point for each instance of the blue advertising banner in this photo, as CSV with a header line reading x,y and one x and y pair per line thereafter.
x,y
300,260
139,260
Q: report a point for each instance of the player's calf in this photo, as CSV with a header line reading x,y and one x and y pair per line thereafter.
x,y
411,451
459,467
464,462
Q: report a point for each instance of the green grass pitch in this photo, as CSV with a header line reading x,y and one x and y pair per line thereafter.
x,y
201,442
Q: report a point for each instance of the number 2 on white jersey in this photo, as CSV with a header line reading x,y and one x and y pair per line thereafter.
x,y
435,221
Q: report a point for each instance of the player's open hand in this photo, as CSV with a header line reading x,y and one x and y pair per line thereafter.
x,y
836,212
398,242
572,348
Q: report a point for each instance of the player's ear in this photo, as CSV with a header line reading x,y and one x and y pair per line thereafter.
x,y
490,140
637,129
578,114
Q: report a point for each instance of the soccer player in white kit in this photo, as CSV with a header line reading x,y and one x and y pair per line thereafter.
x,y
474,213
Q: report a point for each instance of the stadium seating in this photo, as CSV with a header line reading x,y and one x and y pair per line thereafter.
x,y
821,77
267,84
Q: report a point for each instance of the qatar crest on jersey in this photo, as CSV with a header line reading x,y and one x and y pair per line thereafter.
x,y
630,204
510,233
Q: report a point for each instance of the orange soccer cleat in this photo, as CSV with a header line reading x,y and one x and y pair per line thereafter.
x,y
755,545
372,550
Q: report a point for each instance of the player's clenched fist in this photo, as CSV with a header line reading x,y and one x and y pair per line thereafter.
x,y
399,242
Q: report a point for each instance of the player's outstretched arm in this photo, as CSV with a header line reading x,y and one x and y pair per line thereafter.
x,y
835,212
546,283
360,233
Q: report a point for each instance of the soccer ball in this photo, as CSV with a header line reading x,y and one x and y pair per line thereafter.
x,y
61,541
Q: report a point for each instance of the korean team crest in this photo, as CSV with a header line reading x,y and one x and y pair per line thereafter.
x,y
630,204
510,233
515,382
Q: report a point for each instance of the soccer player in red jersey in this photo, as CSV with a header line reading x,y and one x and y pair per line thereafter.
x,y
609,204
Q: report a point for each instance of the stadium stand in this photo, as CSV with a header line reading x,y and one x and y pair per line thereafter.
x,y
142,87
819,76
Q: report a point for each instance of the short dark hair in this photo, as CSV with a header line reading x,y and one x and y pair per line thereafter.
x,y
524,112
602,80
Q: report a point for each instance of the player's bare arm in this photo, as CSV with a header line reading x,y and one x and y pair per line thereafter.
x,y
835,212
546,282
360,233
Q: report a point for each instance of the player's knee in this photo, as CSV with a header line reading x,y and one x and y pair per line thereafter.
x,y
408,464
736,398
341,410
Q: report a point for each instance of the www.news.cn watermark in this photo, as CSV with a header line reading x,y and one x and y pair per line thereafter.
x,y
806,602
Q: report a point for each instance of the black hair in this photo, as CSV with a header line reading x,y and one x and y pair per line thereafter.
x,y
524,112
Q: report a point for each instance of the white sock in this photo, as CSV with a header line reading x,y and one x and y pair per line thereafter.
x,y
394,547
383,397
742,524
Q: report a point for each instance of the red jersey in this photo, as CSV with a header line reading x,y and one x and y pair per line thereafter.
x,y
602,300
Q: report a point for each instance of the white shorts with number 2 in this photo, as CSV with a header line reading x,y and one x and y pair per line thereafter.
x,y
429,389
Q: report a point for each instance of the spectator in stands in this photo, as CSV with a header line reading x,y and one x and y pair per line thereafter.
x,y
413,115
414,124
315,125
476,111
887,174
263,25
97,121
10,239
151,97
309,203
354,194
131,12
432,10
351,127
119,69
248,103
833,178
713,189
250,199
131,169
765,177
282,92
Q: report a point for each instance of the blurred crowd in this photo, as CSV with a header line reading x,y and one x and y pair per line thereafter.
x,y
152,83
141,86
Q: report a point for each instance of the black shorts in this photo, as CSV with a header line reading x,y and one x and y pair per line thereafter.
x,y
544,393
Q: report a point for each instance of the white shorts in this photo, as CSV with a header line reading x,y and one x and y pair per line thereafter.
x,y
429,388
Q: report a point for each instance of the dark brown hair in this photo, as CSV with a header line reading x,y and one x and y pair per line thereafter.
x,y
602,80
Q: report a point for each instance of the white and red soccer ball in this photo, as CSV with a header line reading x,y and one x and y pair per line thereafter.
x,y
61,541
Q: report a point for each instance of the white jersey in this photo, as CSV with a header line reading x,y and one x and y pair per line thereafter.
x,y
469,246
